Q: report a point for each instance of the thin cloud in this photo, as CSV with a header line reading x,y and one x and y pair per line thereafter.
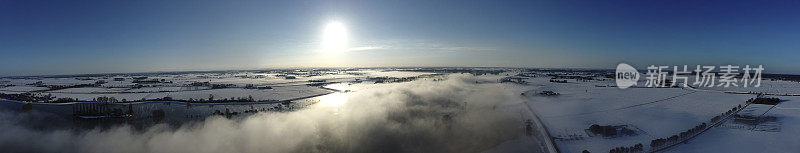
x,y
426,46
367,48
468,48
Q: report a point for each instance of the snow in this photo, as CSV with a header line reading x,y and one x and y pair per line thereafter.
x,y
653,112
767,85
727,139
20,89
177,86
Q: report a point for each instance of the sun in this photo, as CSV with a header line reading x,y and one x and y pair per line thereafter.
x,y
334,38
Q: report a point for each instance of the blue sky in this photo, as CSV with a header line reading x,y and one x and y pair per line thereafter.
x,y
70,37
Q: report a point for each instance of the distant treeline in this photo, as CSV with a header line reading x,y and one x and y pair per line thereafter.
x,y
48,98
767,101
28,97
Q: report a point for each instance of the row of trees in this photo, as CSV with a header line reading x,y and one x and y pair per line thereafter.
x,y
767,101
107,99
611,130
64,100
28,97
391,79
37,97
635,148
60,87
720,116
210,99
678,137
691,132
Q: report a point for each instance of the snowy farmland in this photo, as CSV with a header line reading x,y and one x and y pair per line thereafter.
x,y
574,109
274,85
652,113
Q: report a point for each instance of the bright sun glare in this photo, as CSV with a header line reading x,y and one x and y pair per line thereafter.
x,y
333,99
335,37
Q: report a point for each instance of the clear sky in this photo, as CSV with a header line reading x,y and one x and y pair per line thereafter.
x,y
98,36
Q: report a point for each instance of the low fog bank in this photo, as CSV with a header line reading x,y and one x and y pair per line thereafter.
x,y
418,116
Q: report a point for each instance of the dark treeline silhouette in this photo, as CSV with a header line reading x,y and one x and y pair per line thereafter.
x,y
678,137
28,97
718,117
48,98
766,101
611,130
635,148
693,131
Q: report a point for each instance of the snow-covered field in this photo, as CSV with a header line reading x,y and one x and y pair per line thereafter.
x,y
733,138
566,109
453,113
658,113
275,85
768,86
